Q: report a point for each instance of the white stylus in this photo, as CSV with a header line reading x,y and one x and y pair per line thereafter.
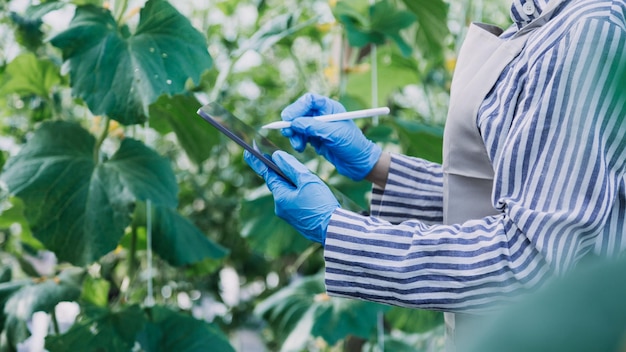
x,y
334,117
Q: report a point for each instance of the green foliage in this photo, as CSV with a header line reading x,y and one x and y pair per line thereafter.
x,y
120,74
177,114
154,329
432,31
167,330
27,74
281,240
302,311
382,21
193,247
422,140
100,329
70,198
31,298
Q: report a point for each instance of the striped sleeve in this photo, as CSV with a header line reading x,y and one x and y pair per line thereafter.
x,y
413,191
563,163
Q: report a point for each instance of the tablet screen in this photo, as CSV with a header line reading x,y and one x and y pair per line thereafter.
x,y
242,134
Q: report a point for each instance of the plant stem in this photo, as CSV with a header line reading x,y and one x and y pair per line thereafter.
x,y
120,10
303,257
103,136
221,80
132,257
296,60
55,323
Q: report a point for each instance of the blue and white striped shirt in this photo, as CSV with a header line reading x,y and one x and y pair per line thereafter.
x,y
553,128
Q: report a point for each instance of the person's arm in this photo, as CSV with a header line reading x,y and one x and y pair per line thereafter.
x,y
412,189
564,163
379,173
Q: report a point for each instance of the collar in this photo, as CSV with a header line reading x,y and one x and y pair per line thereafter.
x,y
525,11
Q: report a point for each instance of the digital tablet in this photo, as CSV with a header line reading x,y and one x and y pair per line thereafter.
x,y
242,134
257,144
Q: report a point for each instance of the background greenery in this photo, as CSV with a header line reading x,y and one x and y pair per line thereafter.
x,y
118,197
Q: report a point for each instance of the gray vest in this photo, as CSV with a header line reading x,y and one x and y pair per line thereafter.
x,y
467,169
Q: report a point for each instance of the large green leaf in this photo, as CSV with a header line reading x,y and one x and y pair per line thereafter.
x,y
100,330
394,72
383,21
303,310
180,242
420,140
168,330
43,296
414,320
267,233
120,74
27,74
432,18
77,208
178,114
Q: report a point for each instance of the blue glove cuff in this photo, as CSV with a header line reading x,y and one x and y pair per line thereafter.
x,y
370,158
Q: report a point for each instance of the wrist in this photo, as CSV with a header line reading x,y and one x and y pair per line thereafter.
x,y
373,156
379,173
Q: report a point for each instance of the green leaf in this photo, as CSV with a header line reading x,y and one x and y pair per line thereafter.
x,y
120,75
5,274
180,242
8,288
100,330
267,233
357,192
77,208
40,297
303,310
388,20
584,311
396,70
38,11
432,19
168,330
413,320
27,74
421,140
399,341
95,291
178,114
384,21
15,215
273,31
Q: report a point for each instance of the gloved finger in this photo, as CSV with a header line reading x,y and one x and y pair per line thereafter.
x,y
329,131
297,140
321,105
300,107
255,163
274,181
295,170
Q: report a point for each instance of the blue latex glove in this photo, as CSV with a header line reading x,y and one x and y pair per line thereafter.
x,y
307,207
340,142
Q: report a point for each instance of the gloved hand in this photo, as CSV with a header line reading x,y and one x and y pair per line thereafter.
x,y
309,206
340,142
